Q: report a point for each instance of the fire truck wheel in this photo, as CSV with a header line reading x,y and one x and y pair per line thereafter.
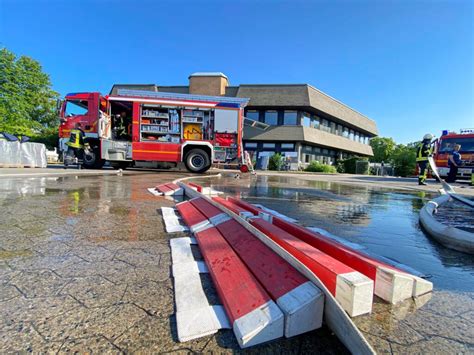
x,y
197,161
92,160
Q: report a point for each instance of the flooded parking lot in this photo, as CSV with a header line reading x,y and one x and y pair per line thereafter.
x,y
84,264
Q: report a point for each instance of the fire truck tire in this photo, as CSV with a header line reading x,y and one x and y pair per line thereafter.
x,y
93,160
197,161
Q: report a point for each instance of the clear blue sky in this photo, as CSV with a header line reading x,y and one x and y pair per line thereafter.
x,y
406,64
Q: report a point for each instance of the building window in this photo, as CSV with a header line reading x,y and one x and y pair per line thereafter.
x,y
315,122
339,130
345,132
271,117
351,135
289,118
317,150
356,136
250,145
253,115
287,146
306,120
332,126
268,145
325,125
307,157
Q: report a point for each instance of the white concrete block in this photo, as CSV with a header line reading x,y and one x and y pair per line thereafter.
x,y
263,324
393,286
354,292
421,286
303,309
220,218
181,250
197,323
196,267
266,216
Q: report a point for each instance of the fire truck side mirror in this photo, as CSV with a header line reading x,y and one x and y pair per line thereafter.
x,y
59,103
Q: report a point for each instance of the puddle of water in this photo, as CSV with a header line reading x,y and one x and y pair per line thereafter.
x,y
384,221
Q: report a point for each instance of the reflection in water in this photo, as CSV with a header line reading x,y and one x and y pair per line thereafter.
x,y
382,220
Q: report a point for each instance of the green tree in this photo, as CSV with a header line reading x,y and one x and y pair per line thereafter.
x,y
27,102
403,159
383,148
275,162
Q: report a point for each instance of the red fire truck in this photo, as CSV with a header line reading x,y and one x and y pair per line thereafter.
x,y
445,145
154,129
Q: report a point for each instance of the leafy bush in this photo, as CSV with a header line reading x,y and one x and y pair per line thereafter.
x,y
404,159
316,167
349,165
275,162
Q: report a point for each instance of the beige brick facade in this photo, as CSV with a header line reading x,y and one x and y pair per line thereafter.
x,y
214,85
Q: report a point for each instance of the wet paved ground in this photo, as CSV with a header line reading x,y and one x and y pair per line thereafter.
x,y
85,265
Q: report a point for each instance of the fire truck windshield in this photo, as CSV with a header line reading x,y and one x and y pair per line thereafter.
x,y
76,107
466,143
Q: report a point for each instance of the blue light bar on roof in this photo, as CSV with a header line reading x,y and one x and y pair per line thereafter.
x,y
221,100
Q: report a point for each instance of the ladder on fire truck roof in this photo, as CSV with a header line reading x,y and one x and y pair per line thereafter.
x,y
239,102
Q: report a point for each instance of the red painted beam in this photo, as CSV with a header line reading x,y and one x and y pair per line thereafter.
x,y
245,205
191,216
353,290
254,316
163,188
301,302
391,284
211,212
196,186
173,186
334,249
233,207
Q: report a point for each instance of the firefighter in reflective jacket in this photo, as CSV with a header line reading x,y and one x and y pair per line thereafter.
x,y
424,150
75,144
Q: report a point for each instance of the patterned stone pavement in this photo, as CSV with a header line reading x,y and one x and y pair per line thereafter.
x,y
85,266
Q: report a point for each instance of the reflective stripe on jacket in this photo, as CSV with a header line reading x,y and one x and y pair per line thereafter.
x,y
423,151
76,139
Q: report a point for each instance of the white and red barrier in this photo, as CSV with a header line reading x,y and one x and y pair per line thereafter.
x,y
194,186
391,284
300,300
335,316
242,212
254,316
244,205
212,213
353,290
167,189
192,217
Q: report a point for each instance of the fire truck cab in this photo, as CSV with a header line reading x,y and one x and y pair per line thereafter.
x,y
445,146
155,130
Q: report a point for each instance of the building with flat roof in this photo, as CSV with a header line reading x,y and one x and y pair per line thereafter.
x,y
301,121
